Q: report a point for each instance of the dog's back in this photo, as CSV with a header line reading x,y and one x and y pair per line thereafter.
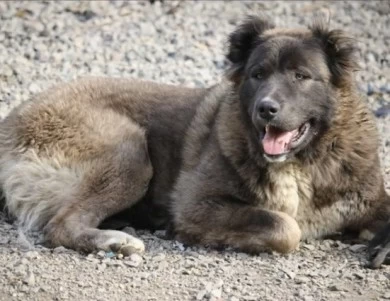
x,y
79,153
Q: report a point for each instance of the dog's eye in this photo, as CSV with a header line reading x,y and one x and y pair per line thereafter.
x,y
258,75
300,76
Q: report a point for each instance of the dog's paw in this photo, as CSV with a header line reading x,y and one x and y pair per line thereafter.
x,y
119,242
379,248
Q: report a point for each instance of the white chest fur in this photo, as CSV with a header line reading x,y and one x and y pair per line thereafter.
x,y
285,188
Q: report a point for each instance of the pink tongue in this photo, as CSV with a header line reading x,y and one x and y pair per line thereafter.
x,y
275,142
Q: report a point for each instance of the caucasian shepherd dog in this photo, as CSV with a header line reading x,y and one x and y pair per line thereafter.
x,y
283,149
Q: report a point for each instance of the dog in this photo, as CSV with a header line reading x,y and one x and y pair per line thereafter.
x,y
282,149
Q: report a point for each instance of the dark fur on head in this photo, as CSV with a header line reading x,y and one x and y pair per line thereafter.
x,y
340,51
327,55
242,41
339,48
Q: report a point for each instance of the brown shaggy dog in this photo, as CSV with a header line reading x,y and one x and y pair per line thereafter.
x,y
283,149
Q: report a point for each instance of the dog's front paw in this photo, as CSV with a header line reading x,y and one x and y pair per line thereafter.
x,y
379,248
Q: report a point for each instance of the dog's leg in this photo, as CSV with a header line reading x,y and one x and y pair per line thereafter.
x,y
377,231
379,247
69,198
111,183
249,229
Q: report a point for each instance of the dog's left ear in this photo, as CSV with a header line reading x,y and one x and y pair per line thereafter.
x,y
242,41
340,50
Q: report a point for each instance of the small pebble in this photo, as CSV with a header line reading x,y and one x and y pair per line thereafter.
x,y
301,279
201,294
59,250
357,248
29,279
110,255
359,275
31,255
159,257
134,260
308,247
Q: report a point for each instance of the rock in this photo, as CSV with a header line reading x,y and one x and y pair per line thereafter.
x,y
219,283
326,245
359,275
92,259
289,273
134,260
159,257
109,255
34,88
357,248
101,267
301,279
386,296
59,250
34,26
115,263
20,270
308,247
106,260
180,246
23,261
101,254
383,111
371,57
201,295
334,288
215,294
31,255
4,240
29,279
337,288
84,15
160,234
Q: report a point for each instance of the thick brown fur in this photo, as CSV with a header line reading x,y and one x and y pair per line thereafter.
x,y
191,158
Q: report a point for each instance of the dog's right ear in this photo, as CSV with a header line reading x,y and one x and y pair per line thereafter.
x,y
242,41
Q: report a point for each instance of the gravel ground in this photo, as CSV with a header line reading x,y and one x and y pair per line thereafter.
x,y
43,43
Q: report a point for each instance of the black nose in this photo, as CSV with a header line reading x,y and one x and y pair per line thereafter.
x,y
268,109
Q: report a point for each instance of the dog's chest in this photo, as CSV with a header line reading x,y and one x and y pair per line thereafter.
x,y
284,189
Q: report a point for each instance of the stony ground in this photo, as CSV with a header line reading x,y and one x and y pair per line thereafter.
x,y
42,43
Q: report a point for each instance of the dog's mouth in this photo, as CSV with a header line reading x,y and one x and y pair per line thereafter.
x,y
278,143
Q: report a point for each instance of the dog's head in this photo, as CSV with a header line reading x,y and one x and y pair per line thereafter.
x,y
286,80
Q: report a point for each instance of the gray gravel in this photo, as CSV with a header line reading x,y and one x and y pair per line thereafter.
x,y
43,43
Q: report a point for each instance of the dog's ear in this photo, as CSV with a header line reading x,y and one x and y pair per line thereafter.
x,y
242,41
340,50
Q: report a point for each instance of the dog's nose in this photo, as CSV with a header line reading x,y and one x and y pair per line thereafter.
x,y
268,109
